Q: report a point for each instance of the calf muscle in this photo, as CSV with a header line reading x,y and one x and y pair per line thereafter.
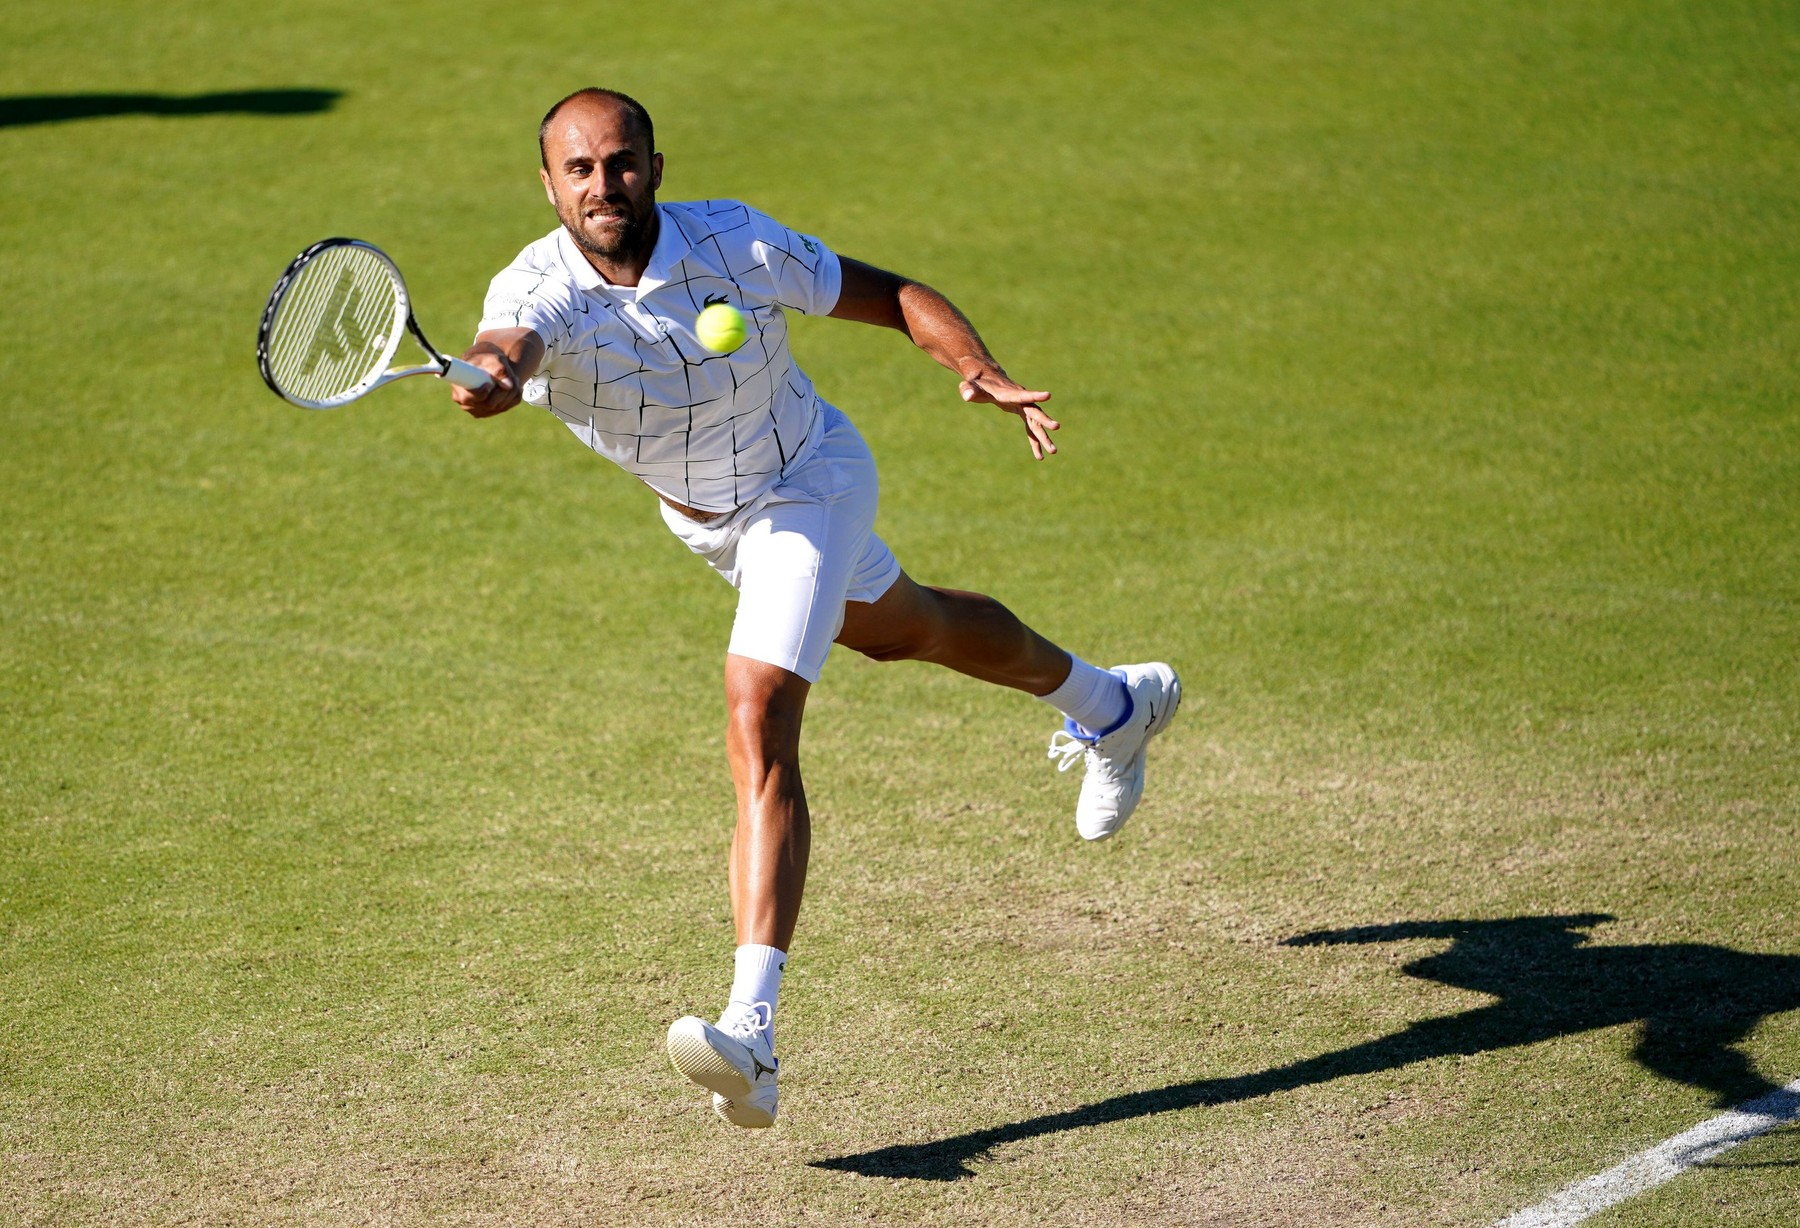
x,y
770,846
970,633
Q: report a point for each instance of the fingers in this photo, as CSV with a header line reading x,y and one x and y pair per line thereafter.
x,y
497,397
1002,392
495,400
1038,426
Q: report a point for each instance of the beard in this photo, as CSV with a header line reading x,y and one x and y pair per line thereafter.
x,y
620,242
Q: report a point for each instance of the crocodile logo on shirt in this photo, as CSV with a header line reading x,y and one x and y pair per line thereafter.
x,y
714,300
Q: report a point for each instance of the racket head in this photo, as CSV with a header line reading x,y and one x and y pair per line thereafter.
x,y
332,324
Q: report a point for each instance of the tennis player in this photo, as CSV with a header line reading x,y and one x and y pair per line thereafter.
x,y
773,487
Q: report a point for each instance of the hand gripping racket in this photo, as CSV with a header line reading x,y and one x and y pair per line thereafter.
x,y
333,323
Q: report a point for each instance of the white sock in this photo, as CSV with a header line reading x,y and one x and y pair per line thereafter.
x,y
1091,697
757,979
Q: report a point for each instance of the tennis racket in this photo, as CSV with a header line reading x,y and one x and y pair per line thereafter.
x,y
333,323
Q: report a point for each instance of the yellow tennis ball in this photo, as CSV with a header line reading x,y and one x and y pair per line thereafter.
x,y
720,328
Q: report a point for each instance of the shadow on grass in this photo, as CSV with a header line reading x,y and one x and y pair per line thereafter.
x,y
56,108
1693,1002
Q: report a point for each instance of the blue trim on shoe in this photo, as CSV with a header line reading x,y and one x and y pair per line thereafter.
x,y
1082,734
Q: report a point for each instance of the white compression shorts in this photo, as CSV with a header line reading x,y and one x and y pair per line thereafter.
x,y
799,551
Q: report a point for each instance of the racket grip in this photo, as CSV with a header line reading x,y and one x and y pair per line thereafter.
x,y
467,375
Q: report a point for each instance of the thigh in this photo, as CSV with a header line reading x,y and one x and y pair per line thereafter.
x,y
785,587
893,624
796,565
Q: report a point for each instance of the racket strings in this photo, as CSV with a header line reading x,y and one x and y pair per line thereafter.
x,y
336,326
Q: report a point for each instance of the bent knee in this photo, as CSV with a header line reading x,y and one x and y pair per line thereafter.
x,y
919,638
756,723
762,716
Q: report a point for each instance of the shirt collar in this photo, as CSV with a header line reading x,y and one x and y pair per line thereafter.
x,y
672,244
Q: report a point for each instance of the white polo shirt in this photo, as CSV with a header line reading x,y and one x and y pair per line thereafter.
x,y
622,367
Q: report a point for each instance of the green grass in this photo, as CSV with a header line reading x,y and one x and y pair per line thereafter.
x,y
1428,381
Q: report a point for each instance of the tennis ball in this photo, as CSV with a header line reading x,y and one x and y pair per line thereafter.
x,y
720,328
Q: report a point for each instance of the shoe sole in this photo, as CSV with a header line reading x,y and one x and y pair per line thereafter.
x,y
703,1064
744,1115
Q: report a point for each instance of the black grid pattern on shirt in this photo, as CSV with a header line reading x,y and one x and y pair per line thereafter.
x,y
620,408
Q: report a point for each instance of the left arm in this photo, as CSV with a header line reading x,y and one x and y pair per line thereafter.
x,y
932,322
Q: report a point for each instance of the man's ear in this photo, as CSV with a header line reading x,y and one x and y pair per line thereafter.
x,y
656,163
548,190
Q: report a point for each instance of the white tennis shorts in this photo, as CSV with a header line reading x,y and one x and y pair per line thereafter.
x,y
799,551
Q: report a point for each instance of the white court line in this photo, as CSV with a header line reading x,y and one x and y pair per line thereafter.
x,y
1668,1159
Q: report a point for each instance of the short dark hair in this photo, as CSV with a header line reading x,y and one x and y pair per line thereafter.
x,y
640,118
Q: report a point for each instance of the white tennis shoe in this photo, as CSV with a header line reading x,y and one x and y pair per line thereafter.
x,y
734,1060
1115,759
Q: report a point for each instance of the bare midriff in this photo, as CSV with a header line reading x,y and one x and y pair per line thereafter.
x,y
690,512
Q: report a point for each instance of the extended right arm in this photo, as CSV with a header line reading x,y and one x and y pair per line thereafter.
x,y
511,356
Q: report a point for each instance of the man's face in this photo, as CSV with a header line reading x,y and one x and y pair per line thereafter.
x,y
602,178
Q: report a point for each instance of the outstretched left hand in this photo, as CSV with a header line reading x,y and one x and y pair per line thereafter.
x,y
991,386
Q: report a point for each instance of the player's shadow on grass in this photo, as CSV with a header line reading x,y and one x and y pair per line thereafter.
x,y
56,108
1693,1002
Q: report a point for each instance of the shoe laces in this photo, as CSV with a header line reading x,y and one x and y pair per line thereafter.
x,y
747,1020
1100,766
1070,749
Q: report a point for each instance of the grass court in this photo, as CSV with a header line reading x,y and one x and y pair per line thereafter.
x,y
1428,381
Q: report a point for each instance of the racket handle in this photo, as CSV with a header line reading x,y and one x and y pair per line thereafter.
x,y
467,375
